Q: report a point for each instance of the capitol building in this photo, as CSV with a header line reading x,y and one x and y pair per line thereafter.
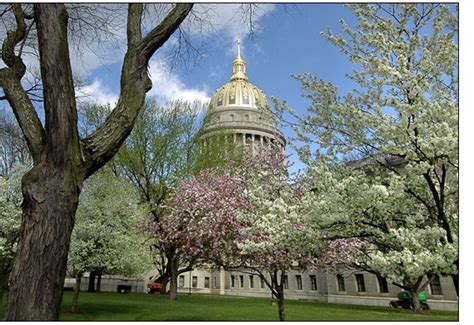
x,y
242,111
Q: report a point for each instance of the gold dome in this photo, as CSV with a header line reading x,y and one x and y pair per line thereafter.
x,y
239,92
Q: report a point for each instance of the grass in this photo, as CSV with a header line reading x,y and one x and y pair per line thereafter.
x,y
134,306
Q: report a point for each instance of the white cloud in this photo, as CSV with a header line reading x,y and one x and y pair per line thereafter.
x,y
168,86
97,93
231,19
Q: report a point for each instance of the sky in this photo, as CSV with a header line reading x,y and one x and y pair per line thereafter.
x,y
287,41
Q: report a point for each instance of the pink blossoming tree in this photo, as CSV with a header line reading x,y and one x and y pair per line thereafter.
x,y
201,223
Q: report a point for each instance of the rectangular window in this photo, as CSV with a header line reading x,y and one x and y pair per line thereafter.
x,y
314,283
232,281
241,281
181,281
195,281
206,282
383,285
299,282
360,282
435,286
341,286
285,282
262,283
215,282
251,281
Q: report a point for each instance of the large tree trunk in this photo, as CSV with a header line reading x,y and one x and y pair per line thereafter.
x,y
50,201
174,279
51,188
77,291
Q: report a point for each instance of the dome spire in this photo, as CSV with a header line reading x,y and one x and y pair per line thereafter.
x,y
238,68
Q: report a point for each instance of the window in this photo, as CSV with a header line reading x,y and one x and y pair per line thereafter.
x,y
314,283
215,282
251,281
341,286
241,281
435,286
206,282
232,281
285,282
195,281
360,282
299,282
383,285
262,283
181,281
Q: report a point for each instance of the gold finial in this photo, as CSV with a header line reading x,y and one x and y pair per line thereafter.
x,y
238,47
238,69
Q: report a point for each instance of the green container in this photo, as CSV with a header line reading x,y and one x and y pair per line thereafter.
x,y
406,295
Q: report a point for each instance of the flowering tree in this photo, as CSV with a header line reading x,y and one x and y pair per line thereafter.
x,y
200,223
10,213
401,120
379,228
277,236
106,239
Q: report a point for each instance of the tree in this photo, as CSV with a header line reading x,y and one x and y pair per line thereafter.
x,y
10,212
402,116
200,224
62,161
278,235
164,147
106,239
374,225
13,149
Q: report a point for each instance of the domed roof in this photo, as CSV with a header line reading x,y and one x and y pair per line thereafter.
x,y
239,92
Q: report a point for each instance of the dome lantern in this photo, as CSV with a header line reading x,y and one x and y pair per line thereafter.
x,y
238,67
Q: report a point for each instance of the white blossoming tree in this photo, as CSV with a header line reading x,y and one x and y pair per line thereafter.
x,y
278,235
399,125
10,214
390,234
106,239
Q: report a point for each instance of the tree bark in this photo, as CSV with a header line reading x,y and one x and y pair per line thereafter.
x,y
99,280
91,287
416,300
279,293
281,306
174,279
77,291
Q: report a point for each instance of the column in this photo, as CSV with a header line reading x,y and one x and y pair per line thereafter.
x,y
222,282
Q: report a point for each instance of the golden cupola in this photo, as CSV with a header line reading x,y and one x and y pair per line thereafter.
x,y
239,91
242,108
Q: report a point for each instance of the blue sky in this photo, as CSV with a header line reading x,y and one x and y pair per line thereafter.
x,y
287,42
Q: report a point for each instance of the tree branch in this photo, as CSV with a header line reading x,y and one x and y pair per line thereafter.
x,y
10,81
102,145
161,33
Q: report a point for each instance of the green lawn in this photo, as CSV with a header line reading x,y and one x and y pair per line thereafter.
x,y
112,306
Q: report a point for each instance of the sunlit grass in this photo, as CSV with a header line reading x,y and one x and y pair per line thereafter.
x,y
134,306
